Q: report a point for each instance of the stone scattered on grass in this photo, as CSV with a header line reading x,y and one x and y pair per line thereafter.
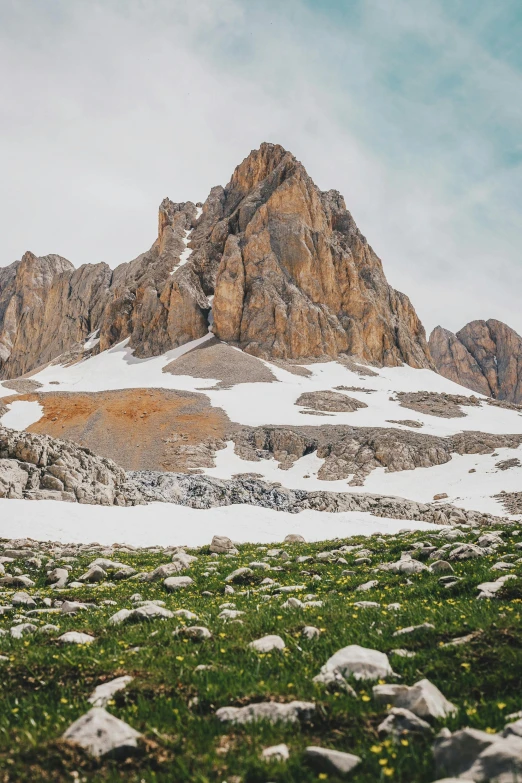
x,y
271,711
197,632
222,545
239,575
276,752
103,693
310,632
333,761
76,637
149,611
402,721
360,662
423,699
24,629
177,582
413,629
267,644
102,735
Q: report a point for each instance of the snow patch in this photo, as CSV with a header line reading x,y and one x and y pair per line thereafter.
x,y
20,415
257,404
166,524
92,340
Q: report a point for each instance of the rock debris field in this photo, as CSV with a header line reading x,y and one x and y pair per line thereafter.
x,y
394,657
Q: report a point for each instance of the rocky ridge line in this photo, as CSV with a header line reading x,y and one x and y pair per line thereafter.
x,y
290,275
204,492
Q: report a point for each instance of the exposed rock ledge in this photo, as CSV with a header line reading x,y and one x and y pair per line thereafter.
x,y
38,467
205,492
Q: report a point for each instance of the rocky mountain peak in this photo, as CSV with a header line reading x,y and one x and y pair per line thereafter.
x,y
290,273
259,165
485,356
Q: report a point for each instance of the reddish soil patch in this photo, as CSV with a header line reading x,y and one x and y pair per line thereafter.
x,y
137,428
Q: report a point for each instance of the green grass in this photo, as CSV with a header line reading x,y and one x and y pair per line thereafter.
x,y
45,686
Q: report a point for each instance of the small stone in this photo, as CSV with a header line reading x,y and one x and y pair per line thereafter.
x,y
368,585
413,629
402,721
222,545
239,575
294,538
103,693
94,574
177,582
186,614
267,644
455,753
271,711
17,631
361,662
72,607
441,567
334,761
229,614
276,752
101,734
423,699
76,637
23,599
310,632
196,632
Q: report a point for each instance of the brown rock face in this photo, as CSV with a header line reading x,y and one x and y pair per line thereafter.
x,y
485,356
290,273
296,277
48,308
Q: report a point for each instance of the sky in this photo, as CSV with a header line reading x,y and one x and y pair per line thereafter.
x,y
412,109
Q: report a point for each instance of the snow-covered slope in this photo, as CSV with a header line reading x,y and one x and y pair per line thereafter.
x,y
470,481
260,403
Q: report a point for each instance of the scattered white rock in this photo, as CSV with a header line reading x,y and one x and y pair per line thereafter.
x,y
24,629
402,721
334,761
239,575
222,545
423,699
101,734
413,629
76,637
177,582
196,632
271,711
267,644
103,693
276,752
368,585
361,662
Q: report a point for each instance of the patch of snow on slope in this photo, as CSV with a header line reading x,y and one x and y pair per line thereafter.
x,y
20,415
256,404
92,341
166,524
5,392
185,255
118,368
464,489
